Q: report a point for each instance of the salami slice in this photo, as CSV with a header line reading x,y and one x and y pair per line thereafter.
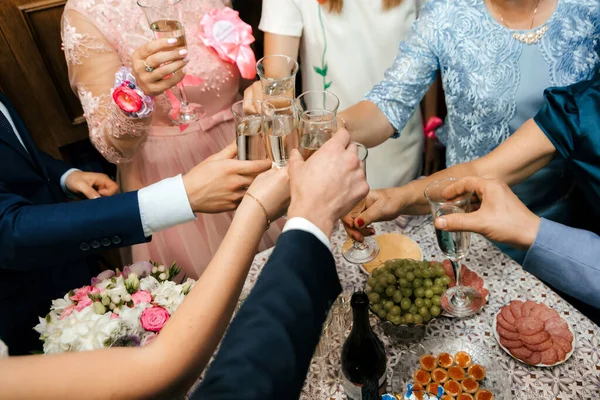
x,y
529,325
510,344
561,333
527,307
549,356
504,323
508,315
521,353
563,343
515,308
556,322
537,310
534,359
506,334
561,354
536,338
547,314
541,346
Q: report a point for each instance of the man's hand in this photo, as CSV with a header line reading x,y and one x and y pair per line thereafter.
x,y
90,185
219,183
501,217
329,184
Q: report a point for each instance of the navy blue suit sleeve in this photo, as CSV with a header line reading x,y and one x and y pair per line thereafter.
x,y
56,168
268,347
33,234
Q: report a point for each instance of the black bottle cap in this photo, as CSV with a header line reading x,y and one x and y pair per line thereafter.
x,y
359,300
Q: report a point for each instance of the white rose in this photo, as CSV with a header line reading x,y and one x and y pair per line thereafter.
x,y
130,317
149,284
168,295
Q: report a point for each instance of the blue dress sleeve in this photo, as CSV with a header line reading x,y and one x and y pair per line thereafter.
x,y
412,72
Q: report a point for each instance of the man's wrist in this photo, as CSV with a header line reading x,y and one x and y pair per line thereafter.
x,y
63,180
320,219
531,227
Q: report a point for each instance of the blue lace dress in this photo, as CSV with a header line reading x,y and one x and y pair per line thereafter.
x,y
493,82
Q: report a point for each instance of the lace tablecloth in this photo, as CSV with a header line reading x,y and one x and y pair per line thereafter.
x,y
578,378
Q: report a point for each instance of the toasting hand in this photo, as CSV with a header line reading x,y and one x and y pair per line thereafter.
x,y
90,185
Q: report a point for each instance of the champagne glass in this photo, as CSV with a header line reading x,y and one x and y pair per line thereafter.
x,y
164,17
458,301
277,74
353,251
248,119
318,112
280,127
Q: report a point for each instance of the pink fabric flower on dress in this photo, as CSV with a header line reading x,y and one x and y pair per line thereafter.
x,y
141,296
127,98
224,31
153,319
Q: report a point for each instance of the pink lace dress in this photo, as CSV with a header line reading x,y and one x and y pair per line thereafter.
x,y
99,36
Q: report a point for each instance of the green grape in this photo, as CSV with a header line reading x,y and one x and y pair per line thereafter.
x,y
392,279
389,317
419,302
427,303
438,281
427,273
426,317
381,313
379,288
423,311
435,311
417,283
418,273
375,273
405,303
410,276
372,282
429,293
437,289
397,297
435,300
409,318
418,319
389,264
407,292
374,298
446,280
404,283
398,320
382,280
376,308
413,309
399,273
395,310
419,292
389,291
427,283
387,306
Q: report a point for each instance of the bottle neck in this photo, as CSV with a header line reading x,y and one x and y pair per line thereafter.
x,y
361,323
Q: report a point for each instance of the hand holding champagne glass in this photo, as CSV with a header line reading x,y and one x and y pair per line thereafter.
x,y
459,301
280,128
277,75
248,119
318,119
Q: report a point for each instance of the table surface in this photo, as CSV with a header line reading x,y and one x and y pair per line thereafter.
x,y
577,378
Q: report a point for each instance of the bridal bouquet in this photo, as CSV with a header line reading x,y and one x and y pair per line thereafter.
x,y
125,308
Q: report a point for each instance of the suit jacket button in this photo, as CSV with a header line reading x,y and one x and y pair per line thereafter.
x,y
95,244
116,240
105,242
84,247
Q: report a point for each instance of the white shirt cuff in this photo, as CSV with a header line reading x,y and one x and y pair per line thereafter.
x,y
63,179
163,205
307,226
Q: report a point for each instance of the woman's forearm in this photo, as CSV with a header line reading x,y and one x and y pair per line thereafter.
x,y
367,124
174,360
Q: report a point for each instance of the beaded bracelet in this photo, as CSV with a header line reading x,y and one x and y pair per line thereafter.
x,y
263,208
129,97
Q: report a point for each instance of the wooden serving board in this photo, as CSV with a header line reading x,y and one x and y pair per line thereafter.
x,y
393,245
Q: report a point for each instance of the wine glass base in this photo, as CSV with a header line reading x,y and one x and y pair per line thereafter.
x,y
470,303
193,113
363,254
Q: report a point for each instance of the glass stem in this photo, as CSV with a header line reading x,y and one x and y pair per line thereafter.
x,y
460,293
182,98
359,245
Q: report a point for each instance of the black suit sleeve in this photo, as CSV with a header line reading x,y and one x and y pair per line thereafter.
x,y
56,168
268,347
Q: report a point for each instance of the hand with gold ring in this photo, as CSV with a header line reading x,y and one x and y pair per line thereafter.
x,y
157,65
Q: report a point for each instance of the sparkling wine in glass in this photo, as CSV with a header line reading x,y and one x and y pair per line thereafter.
x,y
316,128
277,74
280,127
459,301
353,251
164,17
248,126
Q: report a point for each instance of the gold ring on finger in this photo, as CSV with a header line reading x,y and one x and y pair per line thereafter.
x,y
148,68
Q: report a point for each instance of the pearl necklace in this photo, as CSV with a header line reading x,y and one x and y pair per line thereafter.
x,y
527,38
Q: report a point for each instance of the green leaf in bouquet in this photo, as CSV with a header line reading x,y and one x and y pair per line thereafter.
x,y
48,318
36,352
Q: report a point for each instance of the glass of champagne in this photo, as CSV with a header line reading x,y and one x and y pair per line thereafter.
x,y
353,251
164,17
318,112
277,75
458,301
248,119
280,128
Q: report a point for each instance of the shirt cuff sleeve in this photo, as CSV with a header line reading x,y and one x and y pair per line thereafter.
x,y
307,226
163,205
63,179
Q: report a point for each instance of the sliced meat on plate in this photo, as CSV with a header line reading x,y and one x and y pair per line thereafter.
x,y
536,338
527,306
556,322
549,356
561,332
515,307
547,314
508,315
561,354
563,343
521,352
534,359
510,344
504,323
506,334
540,346
529,325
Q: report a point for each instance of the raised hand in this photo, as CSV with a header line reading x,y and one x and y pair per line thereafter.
x,y
252,92
219,183
90,185
272,190
165,62
329,184
381,205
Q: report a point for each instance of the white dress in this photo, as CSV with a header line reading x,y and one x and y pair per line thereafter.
x,y
347,54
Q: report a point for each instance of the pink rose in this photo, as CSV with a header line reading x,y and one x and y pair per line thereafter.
x,y
141,296
114,316
83,304
66,312
153,319
82,293
127,99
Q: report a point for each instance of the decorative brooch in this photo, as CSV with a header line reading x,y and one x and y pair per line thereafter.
x,y
129,97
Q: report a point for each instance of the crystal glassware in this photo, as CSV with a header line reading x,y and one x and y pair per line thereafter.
x,y
318,119
458,301
248,120
280,128
277,74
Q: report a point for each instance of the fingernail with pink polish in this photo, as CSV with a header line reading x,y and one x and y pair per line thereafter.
x,y
183,52
187,59
172,41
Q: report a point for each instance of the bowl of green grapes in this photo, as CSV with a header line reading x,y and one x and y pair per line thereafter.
x,y
405,296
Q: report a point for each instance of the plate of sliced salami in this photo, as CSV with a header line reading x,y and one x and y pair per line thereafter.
x,y
533,333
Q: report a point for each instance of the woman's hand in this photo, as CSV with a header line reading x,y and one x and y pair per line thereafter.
x,y
253,92
164,59
272,189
